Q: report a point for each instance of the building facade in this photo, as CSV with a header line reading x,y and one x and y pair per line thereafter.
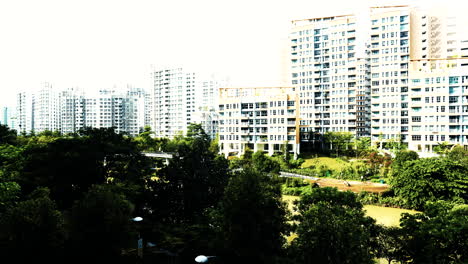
x,y
173,101
180,97
261,119
438,107
8,117
360,74
331,73
70,110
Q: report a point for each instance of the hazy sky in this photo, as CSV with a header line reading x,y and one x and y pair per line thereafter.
x,y
101,43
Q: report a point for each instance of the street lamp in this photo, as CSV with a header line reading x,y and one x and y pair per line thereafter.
x,y
140,240
137,219
203,258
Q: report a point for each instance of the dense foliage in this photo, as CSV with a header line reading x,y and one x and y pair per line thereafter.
x,y
332,229
72,198
430,179
252,219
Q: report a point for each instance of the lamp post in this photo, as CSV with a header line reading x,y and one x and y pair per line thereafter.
x,y
140,239
203,258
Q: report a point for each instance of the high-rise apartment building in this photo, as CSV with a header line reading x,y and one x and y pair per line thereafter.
x,y
376,75
8,117
173,98
24,112
438,109
46,109
261,119
72,110
330,72
390,57
207,104
180,97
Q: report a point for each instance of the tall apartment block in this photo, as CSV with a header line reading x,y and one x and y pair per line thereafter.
x,y
261,119
438,109
180,97
207,102
390,37
8,117
173,97
38,111
72,110
372,75
330,72
46,109
24,112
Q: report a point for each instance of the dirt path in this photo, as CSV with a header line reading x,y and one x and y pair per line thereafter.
x,y
354,186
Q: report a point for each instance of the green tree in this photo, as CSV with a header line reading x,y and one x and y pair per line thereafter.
x,y
146,142
9,194
363,146
101,224
332,229
458,153
439,235
442,148
11,162
193,181
33,229
264,164
403,156
430,179
390,243
395,144
7,135
68,166
339,141
252,218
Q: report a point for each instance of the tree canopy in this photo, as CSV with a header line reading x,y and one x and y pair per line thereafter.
x,y
332,228
430,179
252,218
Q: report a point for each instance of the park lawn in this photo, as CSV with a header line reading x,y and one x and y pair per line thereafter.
x,y
386,216
331,163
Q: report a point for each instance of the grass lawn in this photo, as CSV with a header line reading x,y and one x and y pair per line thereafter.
x,y
331,163
386,216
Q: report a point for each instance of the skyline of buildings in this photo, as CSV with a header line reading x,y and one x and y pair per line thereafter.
x,y
356,74
394,73
71,109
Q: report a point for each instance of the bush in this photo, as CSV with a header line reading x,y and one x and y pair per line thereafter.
x,y
295,182
386,199
296,191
